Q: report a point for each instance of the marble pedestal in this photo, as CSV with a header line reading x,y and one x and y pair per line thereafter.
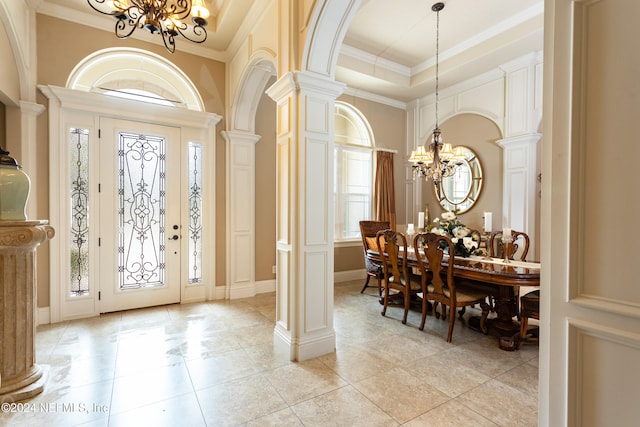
x,y
20,377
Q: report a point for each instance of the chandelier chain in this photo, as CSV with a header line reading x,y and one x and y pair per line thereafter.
x,y
437,61
436,160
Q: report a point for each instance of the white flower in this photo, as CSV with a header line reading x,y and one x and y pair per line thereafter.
x,y
469,243
454,240
461,231
448,216
436,220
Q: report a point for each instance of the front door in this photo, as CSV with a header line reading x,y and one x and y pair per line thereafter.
x,y
140,229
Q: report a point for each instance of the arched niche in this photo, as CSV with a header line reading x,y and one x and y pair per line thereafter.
x,y
480,134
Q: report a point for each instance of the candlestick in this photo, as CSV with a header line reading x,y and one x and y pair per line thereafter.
x,y
488,221
506,244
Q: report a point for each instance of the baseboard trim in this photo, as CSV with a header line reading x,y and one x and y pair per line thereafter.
x,y
44,316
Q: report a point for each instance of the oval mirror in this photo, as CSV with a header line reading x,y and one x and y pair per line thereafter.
x,y
459,192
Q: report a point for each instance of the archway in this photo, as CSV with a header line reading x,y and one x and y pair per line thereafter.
x,y
240,167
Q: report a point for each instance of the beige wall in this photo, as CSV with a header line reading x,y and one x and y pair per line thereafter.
x,y
75,41
480,134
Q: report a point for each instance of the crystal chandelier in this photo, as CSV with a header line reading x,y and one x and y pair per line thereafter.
x,y
164,17
437,160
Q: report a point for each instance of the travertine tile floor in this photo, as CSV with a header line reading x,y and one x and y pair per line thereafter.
x,y
212,364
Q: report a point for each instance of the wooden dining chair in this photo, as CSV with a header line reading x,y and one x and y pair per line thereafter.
x,y
519,245
529,309
368,231
395,270
438,284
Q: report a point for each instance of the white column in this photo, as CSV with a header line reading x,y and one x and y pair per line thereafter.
x,y
519,196
304,233
241,208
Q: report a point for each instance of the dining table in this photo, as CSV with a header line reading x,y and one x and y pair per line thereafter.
x,y
500,278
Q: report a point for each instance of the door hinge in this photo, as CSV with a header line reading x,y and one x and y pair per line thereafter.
x,y
99,187
99,295
99,241
99,133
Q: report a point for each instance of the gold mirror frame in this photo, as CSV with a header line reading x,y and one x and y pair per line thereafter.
x,y
459,192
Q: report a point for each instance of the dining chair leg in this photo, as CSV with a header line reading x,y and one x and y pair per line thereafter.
x,y
524,324
452,322
425,306
366,283
407,302
386,301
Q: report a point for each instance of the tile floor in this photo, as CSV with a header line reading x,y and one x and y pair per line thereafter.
x,y
212,364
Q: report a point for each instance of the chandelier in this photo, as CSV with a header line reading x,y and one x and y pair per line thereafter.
x,y
164,17
437,160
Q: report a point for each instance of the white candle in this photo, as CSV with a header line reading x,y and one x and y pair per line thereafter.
x,y
410,229
488,220
506,232
420,220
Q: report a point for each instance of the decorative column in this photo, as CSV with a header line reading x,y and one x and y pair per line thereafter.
x,y
20,377
523,114
304,233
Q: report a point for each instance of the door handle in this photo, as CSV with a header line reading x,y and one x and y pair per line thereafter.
x,y
174,237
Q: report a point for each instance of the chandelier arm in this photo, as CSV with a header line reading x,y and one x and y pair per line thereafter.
x,y
121,27
110,13
178,10
169,41
198,30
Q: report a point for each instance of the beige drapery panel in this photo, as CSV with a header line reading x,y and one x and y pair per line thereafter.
x,y
384,197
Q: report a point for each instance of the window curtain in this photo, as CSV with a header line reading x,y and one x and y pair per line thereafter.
x,y
384,197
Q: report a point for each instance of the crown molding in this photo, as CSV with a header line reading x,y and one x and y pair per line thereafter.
x,y
363,94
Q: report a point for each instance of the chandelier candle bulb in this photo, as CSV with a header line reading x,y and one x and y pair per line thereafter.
x,y
420,220
488,220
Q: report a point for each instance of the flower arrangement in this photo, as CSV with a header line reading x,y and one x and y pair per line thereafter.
x,y
449,225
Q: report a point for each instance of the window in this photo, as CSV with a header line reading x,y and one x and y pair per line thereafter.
x,y
353,168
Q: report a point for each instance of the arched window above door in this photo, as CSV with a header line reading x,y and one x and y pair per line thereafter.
x,y
130,72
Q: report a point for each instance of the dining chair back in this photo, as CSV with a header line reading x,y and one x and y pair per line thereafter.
x,y
517,248
438,284
368,231
396,276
